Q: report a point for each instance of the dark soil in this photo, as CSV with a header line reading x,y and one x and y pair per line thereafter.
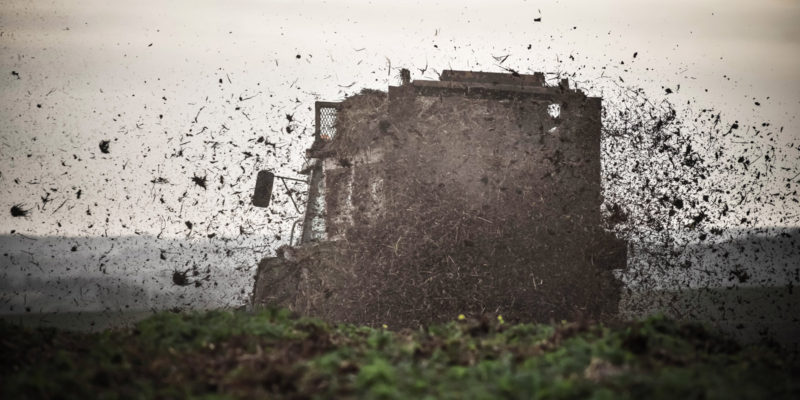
x,y
272,354
18,211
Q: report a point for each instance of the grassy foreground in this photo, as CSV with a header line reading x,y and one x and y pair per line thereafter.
x,y
271,354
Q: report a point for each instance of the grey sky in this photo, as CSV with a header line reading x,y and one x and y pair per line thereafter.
x,y
136,73
162,81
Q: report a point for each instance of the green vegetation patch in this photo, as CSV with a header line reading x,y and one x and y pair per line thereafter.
x,y
273,354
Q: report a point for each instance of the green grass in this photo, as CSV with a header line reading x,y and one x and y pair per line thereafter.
x,y
272,354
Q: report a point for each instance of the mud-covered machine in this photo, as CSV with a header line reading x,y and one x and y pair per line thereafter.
x,y
476,193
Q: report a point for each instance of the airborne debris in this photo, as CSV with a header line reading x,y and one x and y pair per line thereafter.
x,y
18,211
181,278
200,180
104,144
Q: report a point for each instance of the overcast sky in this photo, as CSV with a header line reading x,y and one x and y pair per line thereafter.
x,y
186,89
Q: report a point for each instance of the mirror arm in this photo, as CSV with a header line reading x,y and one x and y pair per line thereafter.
x,y
291,179
289,192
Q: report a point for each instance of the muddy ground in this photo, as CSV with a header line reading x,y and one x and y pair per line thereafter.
x,y
274,354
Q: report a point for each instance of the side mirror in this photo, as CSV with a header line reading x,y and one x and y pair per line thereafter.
x,y
263,192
